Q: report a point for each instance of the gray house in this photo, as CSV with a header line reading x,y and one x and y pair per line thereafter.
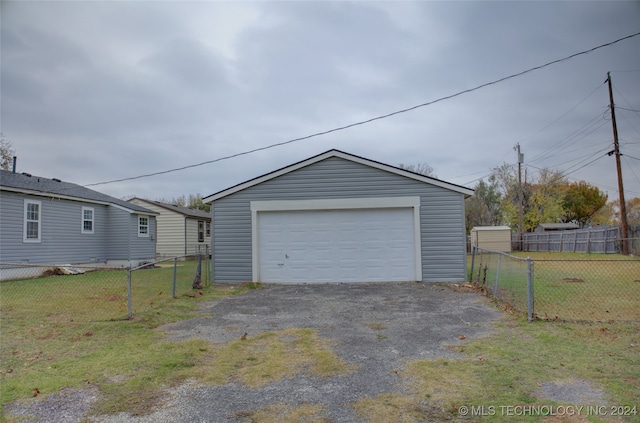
x,y
337,217
181,230
48,221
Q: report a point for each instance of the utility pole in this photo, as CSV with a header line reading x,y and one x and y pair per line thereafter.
x,y
616,151
520,195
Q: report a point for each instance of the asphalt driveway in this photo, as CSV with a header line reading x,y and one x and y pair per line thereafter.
x,y
377,327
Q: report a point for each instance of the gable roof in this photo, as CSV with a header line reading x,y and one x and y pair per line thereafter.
x,y
186,211
346,156
55,188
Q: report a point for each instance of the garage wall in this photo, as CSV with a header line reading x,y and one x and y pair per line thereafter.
x,y
441,214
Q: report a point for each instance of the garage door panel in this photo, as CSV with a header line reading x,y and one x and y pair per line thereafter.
x,y
336,245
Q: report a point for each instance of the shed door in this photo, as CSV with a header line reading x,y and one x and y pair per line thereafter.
x,y
356,245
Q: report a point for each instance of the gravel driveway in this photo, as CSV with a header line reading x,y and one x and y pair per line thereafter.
x,y
410,320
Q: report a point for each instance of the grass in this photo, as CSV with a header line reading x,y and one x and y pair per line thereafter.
x,y
57,332
568,286
64,331
508,368
308,413
272,356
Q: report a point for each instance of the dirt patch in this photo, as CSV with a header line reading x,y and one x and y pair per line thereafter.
x,y
115,297
576,391
572,280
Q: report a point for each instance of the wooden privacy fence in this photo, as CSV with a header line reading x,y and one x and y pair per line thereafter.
x,y
599,239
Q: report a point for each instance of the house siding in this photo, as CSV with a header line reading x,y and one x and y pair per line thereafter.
x,y
61,237
142,247
441,213
177,233
171,230
192,236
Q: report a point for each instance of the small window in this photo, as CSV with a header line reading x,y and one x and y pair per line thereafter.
x,y
143,226
200,231
32,220
208,232
87,220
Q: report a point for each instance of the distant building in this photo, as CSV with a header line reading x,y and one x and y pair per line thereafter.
x,y
494,238
550,227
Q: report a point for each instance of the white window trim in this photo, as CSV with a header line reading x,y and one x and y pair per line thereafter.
x,y
148,225
25,221
93,223
335,204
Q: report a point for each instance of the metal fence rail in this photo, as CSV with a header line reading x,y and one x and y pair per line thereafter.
x,y
597,289
97,293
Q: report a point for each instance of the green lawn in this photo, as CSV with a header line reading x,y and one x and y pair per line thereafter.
x,y
567,286
66,331
70,331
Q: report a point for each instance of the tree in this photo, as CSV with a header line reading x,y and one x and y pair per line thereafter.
x,y
606,214
633,211
483,208
421,168
581,201
544,199
6,153
610,213
193,201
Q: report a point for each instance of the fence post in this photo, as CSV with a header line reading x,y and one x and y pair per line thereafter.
x,y
495,289
175,270
206,263
473,260
530,289
129,308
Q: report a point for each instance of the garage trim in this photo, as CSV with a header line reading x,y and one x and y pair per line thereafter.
x,y
335,204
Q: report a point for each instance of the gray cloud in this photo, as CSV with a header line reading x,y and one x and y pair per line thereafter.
x,y
97,91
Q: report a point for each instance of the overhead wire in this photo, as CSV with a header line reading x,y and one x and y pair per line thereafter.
x,y
563,115
588,128
363,122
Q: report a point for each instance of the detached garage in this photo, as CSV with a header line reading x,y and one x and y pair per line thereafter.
x,y
337,217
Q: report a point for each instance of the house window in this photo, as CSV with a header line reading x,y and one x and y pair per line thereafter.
x,y
87,220
32,221
143,226
208,232
200,231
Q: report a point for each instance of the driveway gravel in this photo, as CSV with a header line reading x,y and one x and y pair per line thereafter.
x,y
377,327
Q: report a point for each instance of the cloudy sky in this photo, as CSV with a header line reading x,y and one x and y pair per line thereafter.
x,y
97,91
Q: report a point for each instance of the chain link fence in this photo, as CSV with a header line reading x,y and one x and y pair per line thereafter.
x,y
598,288
97,293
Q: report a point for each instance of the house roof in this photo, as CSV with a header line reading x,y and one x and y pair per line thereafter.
x,y
37,185
491,228
556,226
198,214
346,156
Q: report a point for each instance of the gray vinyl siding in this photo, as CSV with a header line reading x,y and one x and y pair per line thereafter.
x,y
114,234
441,215
119,228
125,244
170,230
61,238
142,248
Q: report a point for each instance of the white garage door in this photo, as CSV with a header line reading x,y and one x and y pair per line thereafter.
x,y
357,245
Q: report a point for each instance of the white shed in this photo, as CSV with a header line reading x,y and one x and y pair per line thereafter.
x,y
495,238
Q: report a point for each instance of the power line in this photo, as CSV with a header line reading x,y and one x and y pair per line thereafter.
x,y
341,128
563,115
